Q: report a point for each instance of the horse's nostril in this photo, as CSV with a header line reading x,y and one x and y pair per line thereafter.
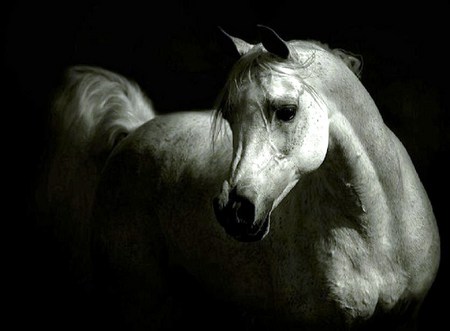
x,y
245,211
237,216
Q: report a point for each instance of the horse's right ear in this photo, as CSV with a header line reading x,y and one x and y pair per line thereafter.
x,y
238,45
353,61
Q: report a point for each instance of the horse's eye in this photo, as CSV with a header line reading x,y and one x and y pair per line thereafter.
x,y
286,113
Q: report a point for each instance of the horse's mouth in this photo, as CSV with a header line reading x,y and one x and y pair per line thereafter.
x,y
258,233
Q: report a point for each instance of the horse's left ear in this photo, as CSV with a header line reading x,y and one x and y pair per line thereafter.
x,y
237,44
272,42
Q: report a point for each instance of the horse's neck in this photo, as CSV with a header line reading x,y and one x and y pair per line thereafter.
x,y
358,173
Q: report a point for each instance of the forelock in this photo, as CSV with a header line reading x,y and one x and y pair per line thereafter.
x,y
252,68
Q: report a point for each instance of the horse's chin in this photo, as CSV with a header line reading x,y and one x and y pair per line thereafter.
x,y
258,235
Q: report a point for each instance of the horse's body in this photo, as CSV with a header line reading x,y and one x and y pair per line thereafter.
x,y
350,242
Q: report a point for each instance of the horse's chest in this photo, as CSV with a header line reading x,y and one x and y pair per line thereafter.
x,y
299,272
327,268
317,278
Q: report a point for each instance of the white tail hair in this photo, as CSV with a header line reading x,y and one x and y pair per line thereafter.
x,y
93,111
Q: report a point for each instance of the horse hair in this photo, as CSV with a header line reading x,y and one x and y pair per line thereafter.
x,y
257,61
91,113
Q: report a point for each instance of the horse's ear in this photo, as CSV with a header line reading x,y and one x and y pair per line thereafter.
x,y
241,46
272,42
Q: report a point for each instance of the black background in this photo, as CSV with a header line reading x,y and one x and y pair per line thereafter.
x,y
172,50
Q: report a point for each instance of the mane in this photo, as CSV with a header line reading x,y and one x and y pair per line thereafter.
x,y
249,68
258,61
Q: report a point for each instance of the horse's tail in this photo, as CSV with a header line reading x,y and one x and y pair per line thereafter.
x,y
92,112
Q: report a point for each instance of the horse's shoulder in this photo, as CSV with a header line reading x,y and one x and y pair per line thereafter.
x,y
416,224
409,185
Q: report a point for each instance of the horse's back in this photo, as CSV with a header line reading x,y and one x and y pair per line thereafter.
x,y
181,143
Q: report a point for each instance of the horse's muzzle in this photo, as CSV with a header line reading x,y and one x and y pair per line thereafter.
x,y
237,216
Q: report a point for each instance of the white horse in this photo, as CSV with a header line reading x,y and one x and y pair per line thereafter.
x,y
292,203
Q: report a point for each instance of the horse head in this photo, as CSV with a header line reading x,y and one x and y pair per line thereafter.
x,y
279,129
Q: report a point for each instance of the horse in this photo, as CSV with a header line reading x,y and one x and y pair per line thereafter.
x,y
290,205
